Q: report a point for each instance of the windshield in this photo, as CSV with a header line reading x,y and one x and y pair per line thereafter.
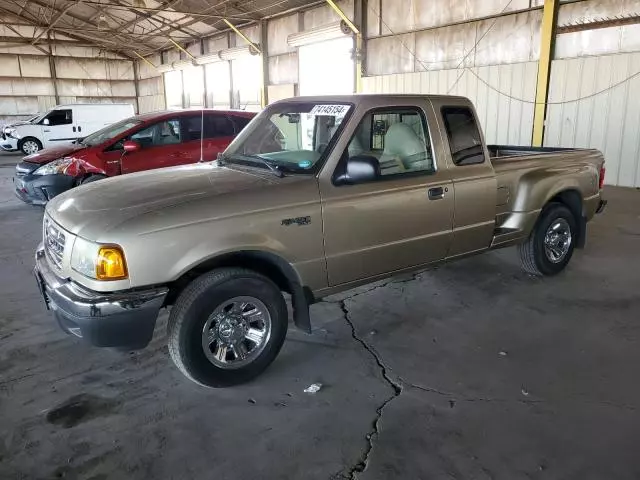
x,y
112,131
38,118
293,137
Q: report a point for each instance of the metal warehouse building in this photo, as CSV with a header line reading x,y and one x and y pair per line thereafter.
x,y
319,239
579,63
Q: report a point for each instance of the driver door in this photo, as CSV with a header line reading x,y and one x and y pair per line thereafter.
x,y
403,217
61,129
160,146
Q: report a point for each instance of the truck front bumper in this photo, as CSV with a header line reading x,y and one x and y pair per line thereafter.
x,y
121,319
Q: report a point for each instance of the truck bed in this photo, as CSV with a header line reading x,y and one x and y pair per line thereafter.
x,y
526,175
502,151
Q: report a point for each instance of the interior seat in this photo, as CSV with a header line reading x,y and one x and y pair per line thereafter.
x,y
403,151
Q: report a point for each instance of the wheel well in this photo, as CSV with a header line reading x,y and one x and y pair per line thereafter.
x,y
573,201
24,139
266,264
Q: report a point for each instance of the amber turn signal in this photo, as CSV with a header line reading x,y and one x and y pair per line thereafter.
x,y
111,264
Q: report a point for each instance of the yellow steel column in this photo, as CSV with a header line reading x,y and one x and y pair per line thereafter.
x,y
547,38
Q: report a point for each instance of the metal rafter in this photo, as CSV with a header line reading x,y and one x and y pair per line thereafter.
x,y
86,22
103,43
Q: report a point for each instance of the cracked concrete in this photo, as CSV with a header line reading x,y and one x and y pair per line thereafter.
x,y
396,387
475,370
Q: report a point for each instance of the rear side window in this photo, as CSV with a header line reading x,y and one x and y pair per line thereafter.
x,y
192,127
218,126
60,117
240,122
464,136
166,132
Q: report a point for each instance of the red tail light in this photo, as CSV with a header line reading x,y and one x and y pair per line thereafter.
x,y
602,172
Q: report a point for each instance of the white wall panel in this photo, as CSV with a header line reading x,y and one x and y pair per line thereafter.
x,y
277,32
283,69
503,95
323,15
595,104
151,103
10,66
35,66
26,86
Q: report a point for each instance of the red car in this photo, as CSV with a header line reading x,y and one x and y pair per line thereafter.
x,y
153,140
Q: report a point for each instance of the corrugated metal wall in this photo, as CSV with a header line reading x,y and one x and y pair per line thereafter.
x,y
606,117
27,86
506,119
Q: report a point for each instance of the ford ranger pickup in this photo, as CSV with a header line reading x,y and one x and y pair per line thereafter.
x,y
317,195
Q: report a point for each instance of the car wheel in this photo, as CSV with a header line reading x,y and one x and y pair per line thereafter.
x,y
30,145
227,326
550,246
92,178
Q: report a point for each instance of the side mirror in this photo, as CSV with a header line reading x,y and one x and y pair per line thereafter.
x,y
45,121
130,146
359,169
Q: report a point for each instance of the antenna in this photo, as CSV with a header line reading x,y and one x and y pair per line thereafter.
x,y
202,136
204,102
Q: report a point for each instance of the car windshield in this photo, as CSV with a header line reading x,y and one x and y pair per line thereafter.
x,y
38,118
112,131
292,137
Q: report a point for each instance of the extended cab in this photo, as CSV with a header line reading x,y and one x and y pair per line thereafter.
x,y
153,140
317,195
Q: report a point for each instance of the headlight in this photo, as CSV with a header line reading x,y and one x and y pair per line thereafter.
x,y
11,132
100,262
57,166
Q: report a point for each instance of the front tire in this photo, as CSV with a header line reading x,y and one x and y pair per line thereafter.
x,y
550,245
226,327
30,145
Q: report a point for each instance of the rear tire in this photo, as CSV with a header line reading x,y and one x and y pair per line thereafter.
x,y
550,245
213,326
30,145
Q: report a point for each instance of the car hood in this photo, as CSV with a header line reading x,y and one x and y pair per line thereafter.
x,y
50,154
96,208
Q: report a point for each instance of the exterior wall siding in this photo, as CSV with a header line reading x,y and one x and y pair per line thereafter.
x,y
593,103
505,119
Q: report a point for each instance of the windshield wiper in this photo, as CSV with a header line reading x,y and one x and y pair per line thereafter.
x,y
278,173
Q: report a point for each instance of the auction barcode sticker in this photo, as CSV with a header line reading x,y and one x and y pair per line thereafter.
x,y
329,109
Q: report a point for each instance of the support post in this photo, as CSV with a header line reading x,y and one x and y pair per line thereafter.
x,y
136,85
547,40
52,70
264,38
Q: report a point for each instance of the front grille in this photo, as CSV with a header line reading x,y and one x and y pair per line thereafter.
x,y
54,240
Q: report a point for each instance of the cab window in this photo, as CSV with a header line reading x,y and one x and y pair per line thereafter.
x,y
397,139
60,117
464,136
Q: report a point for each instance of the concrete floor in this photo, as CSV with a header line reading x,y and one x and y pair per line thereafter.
x,y
474,370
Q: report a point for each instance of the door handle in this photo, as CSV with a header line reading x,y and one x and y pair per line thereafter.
x,y
74,129
437,193
79,128
46,131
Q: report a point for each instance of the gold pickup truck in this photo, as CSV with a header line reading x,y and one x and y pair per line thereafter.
x,y
317,195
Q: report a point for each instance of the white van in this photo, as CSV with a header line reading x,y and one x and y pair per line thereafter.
x,y
62,125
